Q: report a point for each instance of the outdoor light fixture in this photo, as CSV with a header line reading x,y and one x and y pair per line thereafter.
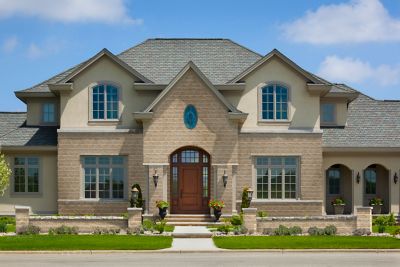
x,y
358,177
225,178
155,178
250,194
395,178
135,196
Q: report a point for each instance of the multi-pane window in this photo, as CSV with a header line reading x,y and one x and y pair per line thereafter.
x,y
104,177
274,102
190,156
327,113
276,177
205,181
48,112
370,181
334,181
105,102
26,175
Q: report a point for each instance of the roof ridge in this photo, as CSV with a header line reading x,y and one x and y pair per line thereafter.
x,y
188,38
13,112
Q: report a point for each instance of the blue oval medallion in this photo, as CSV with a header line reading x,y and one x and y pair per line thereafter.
x,y
190,117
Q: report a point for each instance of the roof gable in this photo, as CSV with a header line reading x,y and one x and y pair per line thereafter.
x,y
191,66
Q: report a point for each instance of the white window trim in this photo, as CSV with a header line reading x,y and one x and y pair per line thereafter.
x,y
97,165
90,97
12,183
334,121
283,199
259,102
42,121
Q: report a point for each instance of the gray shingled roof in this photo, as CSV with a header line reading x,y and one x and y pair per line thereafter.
x,y
160,60
14,132
370,123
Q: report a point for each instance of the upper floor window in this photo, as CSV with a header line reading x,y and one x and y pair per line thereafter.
x,y
105,102
276,177
49,112
26,175
327,113
274,102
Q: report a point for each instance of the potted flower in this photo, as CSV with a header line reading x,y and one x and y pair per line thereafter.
x,y
162,207
376,203
338,205
217,205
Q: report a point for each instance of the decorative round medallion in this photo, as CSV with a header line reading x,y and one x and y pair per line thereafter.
x,y
190,117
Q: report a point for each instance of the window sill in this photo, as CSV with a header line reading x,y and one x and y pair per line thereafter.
x,y
273,122
103,122
99,200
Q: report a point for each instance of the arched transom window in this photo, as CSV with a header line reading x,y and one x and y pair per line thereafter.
x,y
274,102
105,101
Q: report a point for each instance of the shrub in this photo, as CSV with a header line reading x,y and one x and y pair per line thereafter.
x,y
381,229
105,231
161,204
388,220
136,231
3,227
316,231
64,230
262,214
330,230
236,220
225,228
282,230
268,231
375,201
295,230
245,199
30,230
396,232
7,220
361,232
147,225
240,230
160,226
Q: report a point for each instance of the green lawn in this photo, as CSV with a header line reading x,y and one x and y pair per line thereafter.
x,y
10,228
306,242
84,242
388,229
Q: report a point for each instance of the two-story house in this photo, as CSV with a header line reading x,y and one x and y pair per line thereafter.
x,y
191,120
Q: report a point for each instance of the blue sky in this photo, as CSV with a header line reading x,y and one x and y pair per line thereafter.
x,y
352,41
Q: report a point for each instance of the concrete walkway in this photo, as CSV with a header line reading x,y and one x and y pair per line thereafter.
x,y
192,238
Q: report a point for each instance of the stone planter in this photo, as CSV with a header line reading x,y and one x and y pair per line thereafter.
x,y
338,209
162,212
217,214
376,209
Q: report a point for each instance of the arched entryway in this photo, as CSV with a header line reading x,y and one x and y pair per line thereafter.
x,y
339,184
376,184
190,181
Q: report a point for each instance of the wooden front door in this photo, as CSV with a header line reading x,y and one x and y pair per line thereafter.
x,y
190,181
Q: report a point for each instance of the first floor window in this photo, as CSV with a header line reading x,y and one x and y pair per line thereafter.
x,y
26,175
104,177
276,177
334,181
370,181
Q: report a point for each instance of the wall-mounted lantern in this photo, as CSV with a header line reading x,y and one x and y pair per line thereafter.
x,y
155,178
225,178
395,178
250,195
358,177
135,196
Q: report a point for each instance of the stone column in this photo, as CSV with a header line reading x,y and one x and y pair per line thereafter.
x,y
134,218
250,219
364,218
21,218
394,205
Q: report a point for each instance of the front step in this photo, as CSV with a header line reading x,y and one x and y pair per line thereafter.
x,y
190,220
191,232
206,224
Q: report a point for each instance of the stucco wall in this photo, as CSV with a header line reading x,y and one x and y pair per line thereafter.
x,y
75,106
304,108
341,110
35,110
45,202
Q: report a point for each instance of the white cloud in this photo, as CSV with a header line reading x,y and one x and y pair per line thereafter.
x,y
357,21
104,11
10,44
354,70
49,47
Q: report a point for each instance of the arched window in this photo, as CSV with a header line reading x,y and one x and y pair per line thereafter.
x,y
274,102
105,101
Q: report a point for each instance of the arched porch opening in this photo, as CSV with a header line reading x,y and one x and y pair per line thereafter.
x,y
339,184
376,184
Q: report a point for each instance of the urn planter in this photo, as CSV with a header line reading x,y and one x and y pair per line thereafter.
x,y
338,209
376,209
217,214
162,212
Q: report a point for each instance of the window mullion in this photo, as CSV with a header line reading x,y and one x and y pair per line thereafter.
x,y
105,102
283,182
26,174
97,178
110,171
274,102
269,182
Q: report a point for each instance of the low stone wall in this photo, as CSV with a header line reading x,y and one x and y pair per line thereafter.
x,y
345,224
290,208
85,224
77,207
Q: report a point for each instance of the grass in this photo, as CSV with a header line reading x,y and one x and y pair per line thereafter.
x,y
10,228
388,229
306,242
84,242
169,228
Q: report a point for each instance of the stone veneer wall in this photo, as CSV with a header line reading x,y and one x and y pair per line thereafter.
x,y
71,146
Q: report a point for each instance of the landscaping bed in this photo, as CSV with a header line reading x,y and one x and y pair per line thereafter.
x,y
84,242
306,242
